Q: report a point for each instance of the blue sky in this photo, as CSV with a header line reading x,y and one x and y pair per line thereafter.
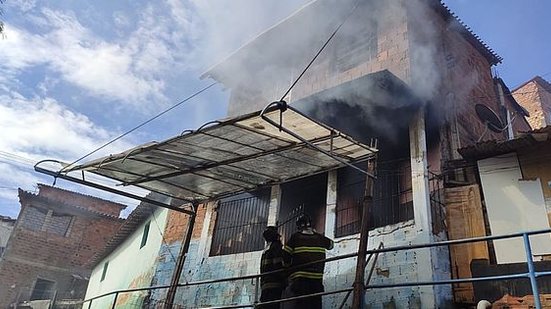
x,y
75,74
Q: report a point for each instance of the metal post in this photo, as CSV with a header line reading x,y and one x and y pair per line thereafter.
x,y
531,271
115,300
90,304
359,287
256,285
54,299
171,294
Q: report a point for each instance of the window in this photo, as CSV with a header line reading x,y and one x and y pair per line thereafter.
x,y
34,218
58,224
145,234
39,219
240,221
350,194
104,272
392,197
43,289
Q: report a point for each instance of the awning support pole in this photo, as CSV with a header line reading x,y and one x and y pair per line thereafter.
x,y
108,189
359,286
171,294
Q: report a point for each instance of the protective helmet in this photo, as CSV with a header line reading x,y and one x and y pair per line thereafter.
x,y
271,234
304,221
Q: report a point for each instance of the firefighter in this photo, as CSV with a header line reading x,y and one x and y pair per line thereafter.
x,y
272,259
306,246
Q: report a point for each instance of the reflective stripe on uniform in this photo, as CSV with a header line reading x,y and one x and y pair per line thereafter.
x,y
309,249
288,249
306,274
271,285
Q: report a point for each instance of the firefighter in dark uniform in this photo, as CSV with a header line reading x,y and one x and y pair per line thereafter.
x,y
306,246
272,259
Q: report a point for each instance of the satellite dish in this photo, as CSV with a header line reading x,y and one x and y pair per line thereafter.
x,y
489,118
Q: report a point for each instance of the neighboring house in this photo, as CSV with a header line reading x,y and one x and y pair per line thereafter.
x,y
510,193
130,258
535,96
408,73
6,227
55,235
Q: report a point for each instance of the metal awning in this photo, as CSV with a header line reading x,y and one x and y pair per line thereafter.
x,y
233,155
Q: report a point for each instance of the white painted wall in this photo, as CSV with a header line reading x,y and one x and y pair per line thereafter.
x,y
513,205
129,265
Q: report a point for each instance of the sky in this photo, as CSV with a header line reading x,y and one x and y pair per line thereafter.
x,y
76,74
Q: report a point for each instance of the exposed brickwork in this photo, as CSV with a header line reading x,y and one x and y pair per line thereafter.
x,y
535,96
54,240
199,221
86,201
175,226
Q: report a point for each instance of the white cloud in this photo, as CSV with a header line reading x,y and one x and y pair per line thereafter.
x,y
130,70
33,129
41,126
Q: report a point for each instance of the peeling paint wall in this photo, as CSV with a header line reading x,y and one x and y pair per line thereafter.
x,y
129,266
392,267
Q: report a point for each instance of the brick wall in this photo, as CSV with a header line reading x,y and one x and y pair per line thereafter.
x,y
53,241
416,44
535,96
391,53
86,201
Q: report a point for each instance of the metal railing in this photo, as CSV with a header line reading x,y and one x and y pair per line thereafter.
x,y
532,274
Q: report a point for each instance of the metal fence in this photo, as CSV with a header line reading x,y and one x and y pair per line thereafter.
x,y
531,274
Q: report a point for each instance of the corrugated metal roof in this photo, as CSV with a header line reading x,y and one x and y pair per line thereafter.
x,y
492,148
231,156
45,201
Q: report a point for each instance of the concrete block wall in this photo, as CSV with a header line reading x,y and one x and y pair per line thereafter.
x,y
199,268
391,267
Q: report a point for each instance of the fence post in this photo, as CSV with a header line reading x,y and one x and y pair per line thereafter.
x,y
531,271
115,300
256,284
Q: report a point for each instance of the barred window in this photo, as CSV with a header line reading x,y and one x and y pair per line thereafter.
x,y
350,193
240,221
392,197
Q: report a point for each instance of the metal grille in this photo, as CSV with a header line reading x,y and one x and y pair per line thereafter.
x,y
240,223
288,225
392,197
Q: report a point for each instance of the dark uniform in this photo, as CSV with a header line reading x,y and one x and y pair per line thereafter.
x,y
272,285
304,247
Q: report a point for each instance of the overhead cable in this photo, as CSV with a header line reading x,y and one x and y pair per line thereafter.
x,y
140,125
320,50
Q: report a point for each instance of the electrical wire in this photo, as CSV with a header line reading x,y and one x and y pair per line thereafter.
x,y
320,51
141,125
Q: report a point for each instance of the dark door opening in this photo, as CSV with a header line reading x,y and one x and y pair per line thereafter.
x,y
307,195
